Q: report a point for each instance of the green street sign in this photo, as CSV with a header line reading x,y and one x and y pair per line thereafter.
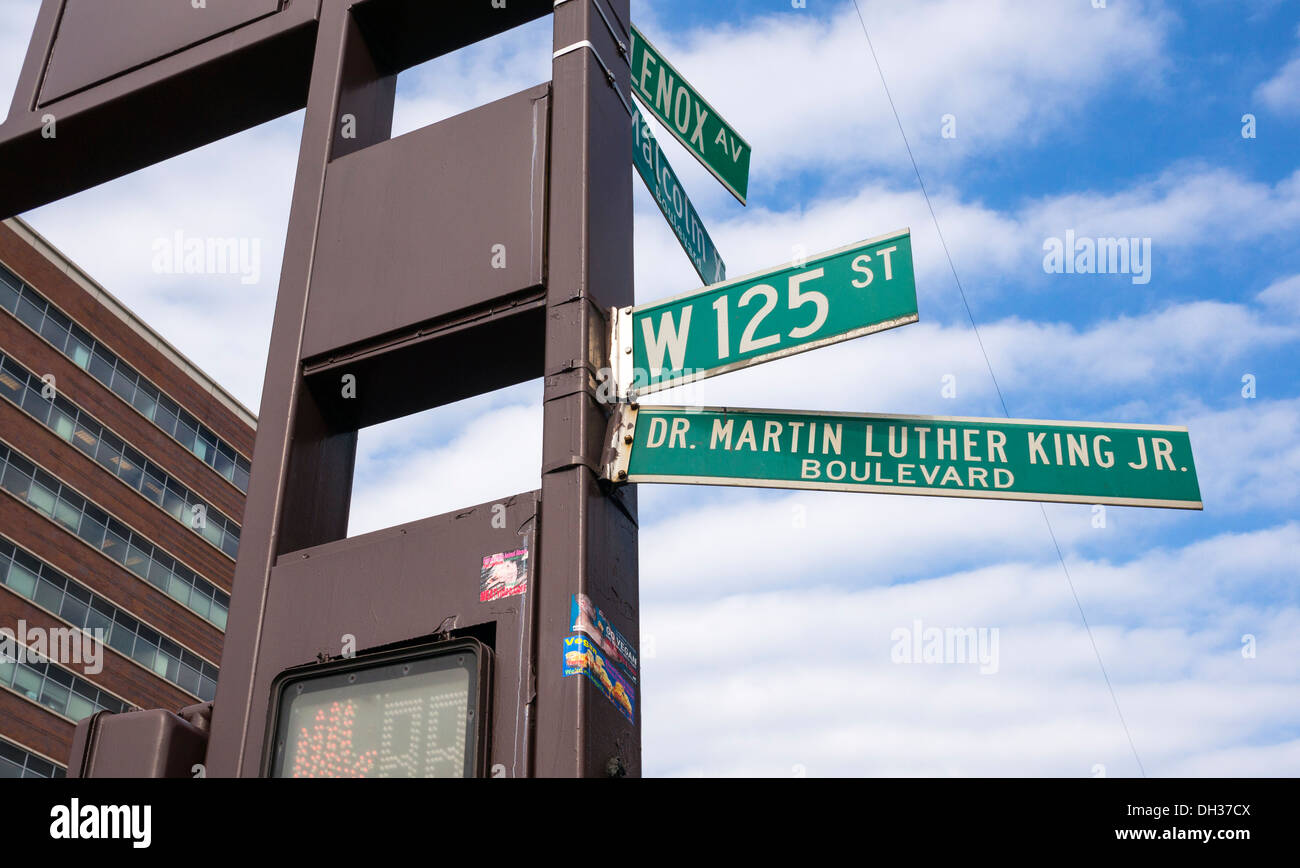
x,y
999,459
670,195
835,296
689,117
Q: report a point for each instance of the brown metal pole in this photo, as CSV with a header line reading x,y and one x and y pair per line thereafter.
x,y
301,481
588,536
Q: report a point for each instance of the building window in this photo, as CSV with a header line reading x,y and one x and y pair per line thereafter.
x,y
45,319
56,501
58,689
23,387
18,762
34,579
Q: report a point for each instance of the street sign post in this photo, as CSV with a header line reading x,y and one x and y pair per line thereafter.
x,y
835,296
670,196
689,117
1000,459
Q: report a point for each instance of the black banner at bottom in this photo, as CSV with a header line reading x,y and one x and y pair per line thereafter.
x,y
209,817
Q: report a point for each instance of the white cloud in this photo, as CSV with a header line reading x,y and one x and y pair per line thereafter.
x,y
475,76
1282,92
1249,456
995,249
1183,206
803,90
982,240
1147,358
760,682
239,187
496,454
1283,295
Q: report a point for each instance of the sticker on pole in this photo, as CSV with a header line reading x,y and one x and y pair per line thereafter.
x,y
504,575
582,657
585,617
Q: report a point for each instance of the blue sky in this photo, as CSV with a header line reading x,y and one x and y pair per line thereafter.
x,y
767,616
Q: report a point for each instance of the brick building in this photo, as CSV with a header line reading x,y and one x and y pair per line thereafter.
x,y
123,470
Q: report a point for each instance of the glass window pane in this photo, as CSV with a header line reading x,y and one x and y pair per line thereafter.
x,y
189,680
165,419
201,603
115,545
67,515
39,767
106,454
153,487
205,445
21,580
144,653
62,676
8,292
15,481
186,433
178,588
95,513
112,442
218,615
86,437
53,330
121,639
101,367
129,471
11,385
174,503
34,402
98,621
134,456
55,696
224,462
25,560
48,596
79,707
79,352
137,560
74,611
45,478
58,317
91,531
159,575
144,403
27,681
30,314
124,384
41,497
62,423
